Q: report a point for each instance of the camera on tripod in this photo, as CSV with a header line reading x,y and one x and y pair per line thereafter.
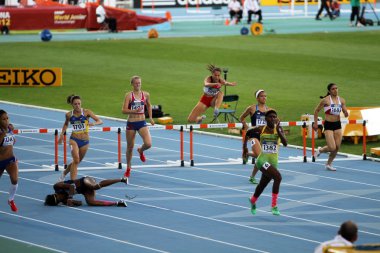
x,y
225,70
365,21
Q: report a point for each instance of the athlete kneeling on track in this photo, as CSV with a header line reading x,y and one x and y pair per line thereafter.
x,y
267,161
64,192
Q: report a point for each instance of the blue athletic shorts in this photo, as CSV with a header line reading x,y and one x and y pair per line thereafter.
x,y
137,125
4,163
80,142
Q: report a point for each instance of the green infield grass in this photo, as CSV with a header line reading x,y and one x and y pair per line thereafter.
x,y
293,69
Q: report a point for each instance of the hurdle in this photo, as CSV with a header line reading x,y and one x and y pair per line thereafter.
x,y
181,128
345,121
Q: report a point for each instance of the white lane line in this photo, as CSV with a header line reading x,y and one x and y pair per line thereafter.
x,y
30,243
82,231
127,220
248,192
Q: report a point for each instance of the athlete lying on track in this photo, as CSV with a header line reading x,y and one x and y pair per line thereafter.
x,y
64,192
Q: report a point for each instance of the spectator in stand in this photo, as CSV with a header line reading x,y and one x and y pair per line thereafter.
x,y
102,18
325,6
347,235
355,8
253,7
335,8
235,10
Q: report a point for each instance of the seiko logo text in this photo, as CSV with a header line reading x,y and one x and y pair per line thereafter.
x,y
30,77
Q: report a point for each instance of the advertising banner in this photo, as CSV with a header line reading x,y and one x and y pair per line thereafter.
x,y
30,77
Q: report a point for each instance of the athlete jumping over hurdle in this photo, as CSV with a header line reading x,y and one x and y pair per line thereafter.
x,y
212,95
64,192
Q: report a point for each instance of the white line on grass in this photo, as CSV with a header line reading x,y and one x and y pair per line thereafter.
x,y
30,243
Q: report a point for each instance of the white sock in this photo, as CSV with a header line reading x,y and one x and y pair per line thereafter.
x,y
12,191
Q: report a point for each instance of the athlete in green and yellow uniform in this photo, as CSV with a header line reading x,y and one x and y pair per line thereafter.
x,y
270,136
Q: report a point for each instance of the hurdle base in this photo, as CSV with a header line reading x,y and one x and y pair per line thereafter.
x,y
192,163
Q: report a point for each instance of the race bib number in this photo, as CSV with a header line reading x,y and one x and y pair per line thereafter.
x,y
8,140
336,109
269,147
138,106
211,91
261,122
79,127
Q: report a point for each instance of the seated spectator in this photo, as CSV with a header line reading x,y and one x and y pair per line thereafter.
x,y
335,8
235,10
253,7
347,235
102,18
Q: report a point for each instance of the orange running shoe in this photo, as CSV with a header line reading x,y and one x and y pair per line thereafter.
x,y
127,172
142,156
13,206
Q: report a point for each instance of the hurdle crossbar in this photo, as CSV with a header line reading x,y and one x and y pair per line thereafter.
x,y
181,128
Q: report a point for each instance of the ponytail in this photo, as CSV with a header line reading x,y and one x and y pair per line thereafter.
x,y
212,68
328,90
71,98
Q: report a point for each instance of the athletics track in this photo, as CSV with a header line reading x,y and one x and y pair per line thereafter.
x,y
205,23
181,209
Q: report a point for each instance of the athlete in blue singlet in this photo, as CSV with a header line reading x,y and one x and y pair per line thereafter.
x,y
134,106
257,115
79,119
8,161
333,106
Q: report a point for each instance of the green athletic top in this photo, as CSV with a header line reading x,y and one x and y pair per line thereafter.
x,y
269,149
355,3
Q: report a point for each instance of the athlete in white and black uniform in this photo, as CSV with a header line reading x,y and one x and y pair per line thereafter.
x,y
257,116
333,106
8,161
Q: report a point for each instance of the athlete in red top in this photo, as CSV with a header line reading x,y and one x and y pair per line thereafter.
x,y
212,95
134,105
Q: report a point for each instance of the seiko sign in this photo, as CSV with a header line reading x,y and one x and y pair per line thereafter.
x,y
30,77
